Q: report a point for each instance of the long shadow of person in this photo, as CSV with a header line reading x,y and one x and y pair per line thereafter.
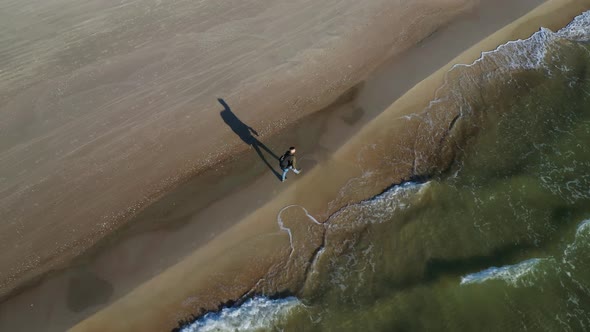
x,y
245,133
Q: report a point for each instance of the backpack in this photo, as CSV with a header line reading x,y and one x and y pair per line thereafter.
x,y
283,163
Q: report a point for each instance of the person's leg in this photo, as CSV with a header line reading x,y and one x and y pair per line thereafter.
x,y
285,170
295,170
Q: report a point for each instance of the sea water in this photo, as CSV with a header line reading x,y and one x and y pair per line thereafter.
x,y
500,241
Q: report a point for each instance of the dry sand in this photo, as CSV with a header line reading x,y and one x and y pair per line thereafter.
x,y
233,262
106,105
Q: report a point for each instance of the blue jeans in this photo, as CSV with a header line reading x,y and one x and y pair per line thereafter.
x,y
286,170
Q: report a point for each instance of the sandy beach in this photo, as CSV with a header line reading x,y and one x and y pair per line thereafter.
x,y
70,184
109,106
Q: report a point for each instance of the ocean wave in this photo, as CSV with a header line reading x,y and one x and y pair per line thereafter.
x,y
471,89
378,209
580,242
515,274
578,29
511,274
531,53
583,228
258,313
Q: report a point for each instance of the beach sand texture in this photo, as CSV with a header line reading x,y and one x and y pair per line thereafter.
x,y
258,252
106,105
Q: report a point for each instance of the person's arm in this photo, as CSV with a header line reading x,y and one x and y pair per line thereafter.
x,y
294,163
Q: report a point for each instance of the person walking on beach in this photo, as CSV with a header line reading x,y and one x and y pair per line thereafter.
x,y
246,133
288,162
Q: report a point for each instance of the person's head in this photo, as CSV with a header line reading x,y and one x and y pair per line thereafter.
x,y
292,150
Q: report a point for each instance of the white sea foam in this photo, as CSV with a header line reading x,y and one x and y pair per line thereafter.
x,y
583,227
511,274
578,29
515,274
258,313
287,229
380,208
530,53
572,249
518,54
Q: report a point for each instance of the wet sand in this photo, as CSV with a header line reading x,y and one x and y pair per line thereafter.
x,y
105,107
252,248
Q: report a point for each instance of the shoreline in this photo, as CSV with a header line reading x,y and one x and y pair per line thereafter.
x,y
247,233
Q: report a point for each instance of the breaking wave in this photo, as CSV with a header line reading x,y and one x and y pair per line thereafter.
x,y
523,273
259,313
511,274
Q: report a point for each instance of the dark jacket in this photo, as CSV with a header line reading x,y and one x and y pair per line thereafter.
x,y
288,160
